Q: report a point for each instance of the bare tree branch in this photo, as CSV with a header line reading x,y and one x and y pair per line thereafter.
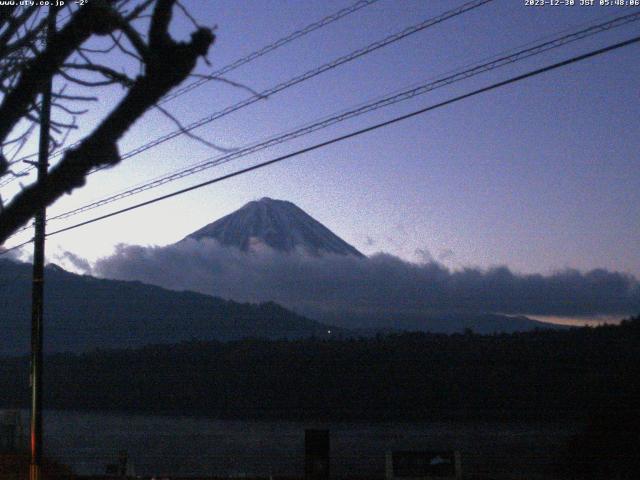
x,y
192,135
94,19
166,65
230,82
107,72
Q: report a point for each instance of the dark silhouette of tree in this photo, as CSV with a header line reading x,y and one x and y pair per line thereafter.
x,y
138,29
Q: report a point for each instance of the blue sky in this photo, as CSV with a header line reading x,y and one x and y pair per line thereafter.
x,y
539,176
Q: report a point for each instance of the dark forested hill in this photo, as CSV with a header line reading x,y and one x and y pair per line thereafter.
x,y
84,313
534,375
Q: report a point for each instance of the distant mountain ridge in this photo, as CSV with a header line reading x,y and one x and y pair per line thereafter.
x,y
83,313
278,224
482,323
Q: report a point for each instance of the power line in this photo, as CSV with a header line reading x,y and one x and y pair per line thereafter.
x,y
607,22
269,48
4,251
241,61
311,74
354,134
294,81
328,121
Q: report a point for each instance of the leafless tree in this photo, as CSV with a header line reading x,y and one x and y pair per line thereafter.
x,y
134,28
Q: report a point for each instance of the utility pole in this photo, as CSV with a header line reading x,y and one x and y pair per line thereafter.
x,y
35,467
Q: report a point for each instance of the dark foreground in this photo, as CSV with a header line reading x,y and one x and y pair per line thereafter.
x,y
585,382
197,447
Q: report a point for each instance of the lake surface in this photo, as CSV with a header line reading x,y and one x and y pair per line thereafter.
x,y
189,446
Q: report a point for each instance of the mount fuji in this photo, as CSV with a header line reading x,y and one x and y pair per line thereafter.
x,y
278,224
285,228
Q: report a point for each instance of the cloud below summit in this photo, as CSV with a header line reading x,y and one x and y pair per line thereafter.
x,y
382,284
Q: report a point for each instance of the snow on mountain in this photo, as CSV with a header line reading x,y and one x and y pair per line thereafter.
x,y
279,224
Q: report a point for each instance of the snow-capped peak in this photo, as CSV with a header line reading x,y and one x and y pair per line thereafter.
x,y
278,224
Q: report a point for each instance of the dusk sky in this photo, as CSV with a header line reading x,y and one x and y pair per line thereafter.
x,y
540,176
